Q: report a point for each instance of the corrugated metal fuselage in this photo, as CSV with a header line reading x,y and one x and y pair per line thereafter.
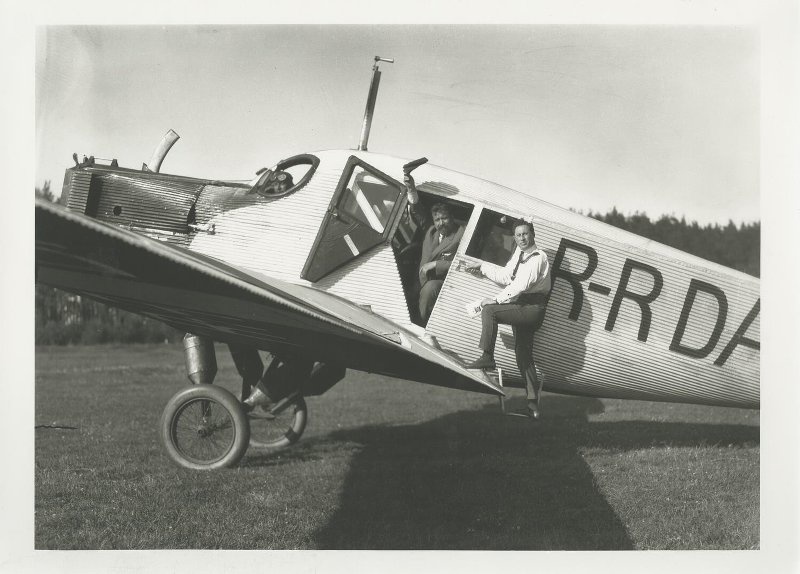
x,y
628,318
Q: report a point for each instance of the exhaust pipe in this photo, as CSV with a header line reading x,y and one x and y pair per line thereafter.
x,y
161,151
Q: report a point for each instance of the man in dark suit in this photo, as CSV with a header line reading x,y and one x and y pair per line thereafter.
x,y
438,250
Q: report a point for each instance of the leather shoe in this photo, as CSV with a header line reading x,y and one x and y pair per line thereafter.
x,y
485,361
257,398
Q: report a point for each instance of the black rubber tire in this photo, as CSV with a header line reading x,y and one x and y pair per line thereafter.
x,y
281,432
204,427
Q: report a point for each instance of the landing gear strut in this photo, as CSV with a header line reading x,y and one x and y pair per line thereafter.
x,y
205,427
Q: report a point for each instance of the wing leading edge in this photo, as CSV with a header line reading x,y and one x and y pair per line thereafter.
x,y
205,296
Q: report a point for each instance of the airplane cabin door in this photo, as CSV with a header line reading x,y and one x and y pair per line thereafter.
x,y
363,213
491,240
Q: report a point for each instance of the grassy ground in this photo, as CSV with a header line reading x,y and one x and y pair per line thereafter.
x,y
386,464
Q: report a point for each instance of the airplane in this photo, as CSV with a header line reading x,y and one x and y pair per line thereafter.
x,y
313,262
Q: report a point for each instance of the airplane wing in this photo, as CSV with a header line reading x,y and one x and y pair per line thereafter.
x,y
204,296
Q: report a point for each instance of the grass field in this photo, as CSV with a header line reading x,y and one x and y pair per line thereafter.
x,y
386,464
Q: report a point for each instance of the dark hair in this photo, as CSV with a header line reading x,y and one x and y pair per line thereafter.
x,y
442,208
521,222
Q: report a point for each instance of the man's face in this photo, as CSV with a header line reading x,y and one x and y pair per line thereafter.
x,y
443,222
523,236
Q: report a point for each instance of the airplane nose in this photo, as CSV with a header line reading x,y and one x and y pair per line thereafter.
x,y
130,198
162,206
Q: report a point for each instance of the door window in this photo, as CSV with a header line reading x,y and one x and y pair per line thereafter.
x,y
493,239
368,199
363,214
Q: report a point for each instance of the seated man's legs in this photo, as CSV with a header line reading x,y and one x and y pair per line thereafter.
x,y
427,297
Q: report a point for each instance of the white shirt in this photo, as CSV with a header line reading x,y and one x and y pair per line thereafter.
x,y
533,274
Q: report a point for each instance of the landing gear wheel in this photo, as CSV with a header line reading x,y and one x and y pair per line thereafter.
x,y
279,430
204,427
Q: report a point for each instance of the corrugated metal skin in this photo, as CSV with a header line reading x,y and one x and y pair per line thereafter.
x,y
442,181
154,203
76,185
272,237
580,357
275,238
371,280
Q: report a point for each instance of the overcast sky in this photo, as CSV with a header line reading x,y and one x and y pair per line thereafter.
x,y
660,119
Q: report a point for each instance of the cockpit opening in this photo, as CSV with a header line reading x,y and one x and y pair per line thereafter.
x,y
286,177
408,240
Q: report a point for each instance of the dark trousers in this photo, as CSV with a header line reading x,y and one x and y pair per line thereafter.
x,y
427,297
525,317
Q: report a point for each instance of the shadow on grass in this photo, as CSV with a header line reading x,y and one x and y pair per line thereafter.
x,y
479,480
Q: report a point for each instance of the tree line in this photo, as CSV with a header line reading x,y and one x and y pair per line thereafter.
x,y
738,247
65,319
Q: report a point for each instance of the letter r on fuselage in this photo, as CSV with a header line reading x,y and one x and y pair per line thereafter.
x,y
574,279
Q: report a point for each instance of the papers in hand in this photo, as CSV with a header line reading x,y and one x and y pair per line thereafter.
x,y
473,309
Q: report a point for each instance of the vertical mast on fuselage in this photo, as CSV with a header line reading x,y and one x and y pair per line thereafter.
x,y
373,94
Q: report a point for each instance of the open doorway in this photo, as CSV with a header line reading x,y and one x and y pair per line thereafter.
x,y
407,243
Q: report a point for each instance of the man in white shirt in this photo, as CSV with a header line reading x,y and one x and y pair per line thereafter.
x,y
521,304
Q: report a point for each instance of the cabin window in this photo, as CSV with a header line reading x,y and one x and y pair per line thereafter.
x,y
493,239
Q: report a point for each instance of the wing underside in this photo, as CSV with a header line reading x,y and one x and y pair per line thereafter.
x,y
202,295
